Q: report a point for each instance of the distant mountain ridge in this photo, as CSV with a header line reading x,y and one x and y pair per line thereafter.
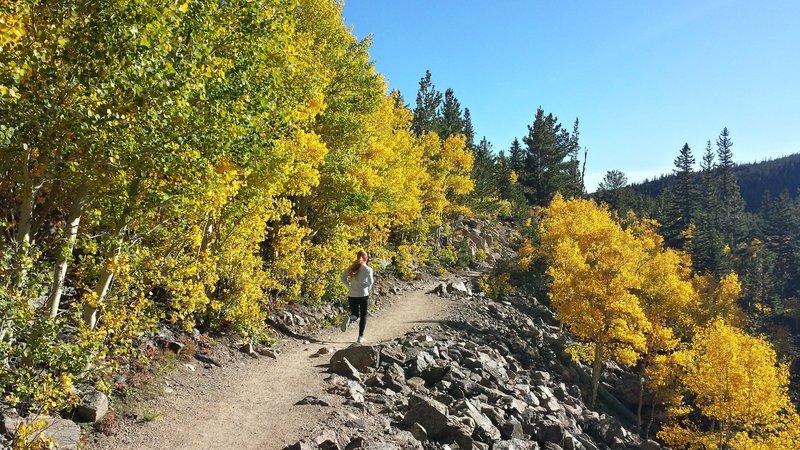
x,y
774,175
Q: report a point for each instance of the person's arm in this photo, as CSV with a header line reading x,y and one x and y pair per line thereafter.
x,y
344,277
370,278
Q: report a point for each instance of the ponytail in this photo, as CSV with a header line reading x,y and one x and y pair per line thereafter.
x,y
361,259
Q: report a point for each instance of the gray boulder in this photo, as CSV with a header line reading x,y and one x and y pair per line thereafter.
x,y
93,406
65,433
458,287
485,430
515,444
362,357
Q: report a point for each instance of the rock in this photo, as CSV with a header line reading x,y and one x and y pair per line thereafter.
x,y
355,391
550,431
311,400
440,290
394,378
428,413
540,377
206,359
515,444
609,429
586,441
354,421
512,429
268,352
175,347
357,443
330,440
485,430
421,363
362,357
323,351
299,445
417,384
247,349
649,445
551,446
392,356
344,367
65,433
419,432
458,287
93,406
518,407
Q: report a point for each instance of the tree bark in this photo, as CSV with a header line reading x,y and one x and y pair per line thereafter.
x,y
639,409
22,237
107,274
597,368
64,256
100,291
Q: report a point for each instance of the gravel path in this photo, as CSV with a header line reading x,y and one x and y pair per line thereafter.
x,y
252,405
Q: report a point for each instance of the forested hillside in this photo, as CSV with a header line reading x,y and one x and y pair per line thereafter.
x,y
755,179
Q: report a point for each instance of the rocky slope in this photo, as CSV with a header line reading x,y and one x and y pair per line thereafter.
x,y
492,375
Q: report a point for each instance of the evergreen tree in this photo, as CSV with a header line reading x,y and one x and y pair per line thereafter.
x,y
574,186
731,206
508,187
426,113
613,191
781,229
483,171
468,131
681,213
545,170
516,156
451,121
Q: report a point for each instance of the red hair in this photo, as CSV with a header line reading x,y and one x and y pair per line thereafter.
x,y
361,259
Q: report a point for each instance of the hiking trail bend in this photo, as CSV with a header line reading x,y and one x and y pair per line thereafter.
x,y
251,405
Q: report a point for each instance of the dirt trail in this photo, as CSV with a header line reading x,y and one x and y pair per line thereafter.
x,y
252,406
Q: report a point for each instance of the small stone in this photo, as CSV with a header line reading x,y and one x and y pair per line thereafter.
x,y
247,349
175,347
268,352
311,400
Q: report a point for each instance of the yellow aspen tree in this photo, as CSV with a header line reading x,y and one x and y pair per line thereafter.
x,y
738,388
594,266
718,298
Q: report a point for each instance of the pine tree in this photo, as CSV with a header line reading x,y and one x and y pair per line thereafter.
x,y
545,172
516,156
612,191
574,184
731,205
468,131
451,121
483,171
681,213
781,228
426,112
508,187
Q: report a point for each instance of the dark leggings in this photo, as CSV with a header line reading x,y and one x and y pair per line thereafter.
x,y
358,308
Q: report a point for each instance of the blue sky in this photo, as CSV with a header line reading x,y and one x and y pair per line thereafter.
x,y
643,76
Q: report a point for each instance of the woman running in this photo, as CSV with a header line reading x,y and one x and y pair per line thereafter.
x,y
358,278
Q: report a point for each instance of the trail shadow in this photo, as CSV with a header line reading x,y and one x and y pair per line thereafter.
x,y
284,330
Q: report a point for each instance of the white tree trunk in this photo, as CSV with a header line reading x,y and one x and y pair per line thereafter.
x,y
64,256
89,311
25,218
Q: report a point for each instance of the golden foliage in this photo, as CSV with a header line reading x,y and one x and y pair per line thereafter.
x,y
737,385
